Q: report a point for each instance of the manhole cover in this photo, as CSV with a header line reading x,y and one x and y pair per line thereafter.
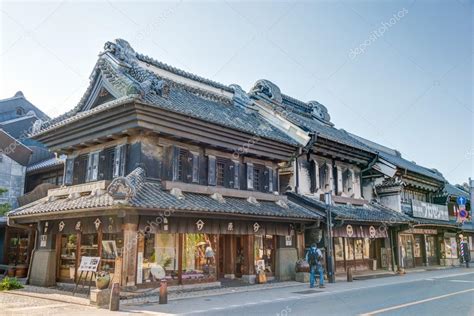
x,y
308,292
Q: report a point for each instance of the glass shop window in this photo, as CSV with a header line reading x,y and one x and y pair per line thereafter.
x,y
349,248
111,246
451,247
18,248
430,246
160,258
359,248
339,248
264,254
199,258
89,245
67,262
366,248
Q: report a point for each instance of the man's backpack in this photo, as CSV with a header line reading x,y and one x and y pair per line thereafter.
x,y
313,258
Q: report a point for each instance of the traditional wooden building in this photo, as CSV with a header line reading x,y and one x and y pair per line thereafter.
x,y
331,161
411,189
168,175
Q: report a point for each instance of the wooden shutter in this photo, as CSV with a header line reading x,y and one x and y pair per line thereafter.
x,y
269,179
120,156
79,169
228,173
195,168
249,176
170,167
187,165
236,184
211,174
102,164
69,171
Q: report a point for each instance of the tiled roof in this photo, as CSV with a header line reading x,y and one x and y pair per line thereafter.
x,y
371,212
326,131
149,194
45,164
396,158
19,127
9,106
130,79
452,190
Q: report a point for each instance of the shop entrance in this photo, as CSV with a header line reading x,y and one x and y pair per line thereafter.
x,y
406,245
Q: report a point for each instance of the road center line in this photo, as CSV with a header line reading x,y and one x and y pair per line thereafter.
x,y
461,281
27,308
383,310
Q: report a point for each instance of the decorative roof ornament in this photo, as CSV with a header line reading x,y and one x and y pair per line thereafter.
x,y
61,226
121,189
177,193
319,111
240,98
218,197
122,50
282,203
267,89
252,200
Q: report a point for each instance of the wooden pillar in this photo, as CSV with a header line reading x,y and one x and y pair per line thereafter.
x,y
229,253
300,245
130,240
180,257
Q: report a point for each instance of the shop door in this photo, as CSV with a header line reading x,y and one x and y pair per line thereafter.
x,y
418,251
406,242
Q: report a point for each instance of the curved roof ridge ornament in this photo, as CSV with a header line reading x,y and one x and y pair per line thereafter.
x,y
319,111
240,97
267,89
121,188
122,51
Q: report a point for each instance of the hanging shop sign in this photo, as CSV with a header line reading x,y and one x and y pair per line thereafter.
x,y
430,211
349,231
44,239
420,231
360,231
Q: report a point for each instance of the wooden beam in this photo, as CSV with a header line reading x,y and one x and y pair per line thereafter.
x,y
225,192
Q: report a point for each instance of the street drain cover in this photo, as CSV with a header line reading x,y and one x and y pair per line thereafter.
x,y
308,292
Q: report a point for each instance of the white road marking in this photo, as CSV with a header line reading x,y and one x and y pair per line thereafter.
x,y
19,309
461,281
383,310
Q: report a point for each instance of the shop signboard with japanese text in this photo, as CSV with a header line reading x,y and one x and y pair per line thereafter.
x,y
430,211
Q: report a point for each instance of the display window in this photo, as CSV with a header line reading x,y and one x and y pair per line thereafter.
x,y
89,245
160,258
112,244
366,248
264,253
339,248
68,257
359,249
430,246
18,248
349,249
199,258
451,247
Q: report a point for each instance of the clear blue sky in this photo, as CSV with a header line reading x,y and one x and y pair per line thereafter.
x,y
409,87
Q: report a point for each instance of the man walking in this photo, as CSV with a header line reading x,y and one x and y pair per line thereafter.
x,y
465,251
313,258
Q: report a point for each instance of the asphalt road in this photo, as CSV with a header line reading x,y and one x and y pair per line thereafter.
x,y
428,293
444,292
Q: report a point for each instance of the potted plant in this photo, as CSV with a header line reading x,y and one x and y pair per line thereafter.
x,y
102,280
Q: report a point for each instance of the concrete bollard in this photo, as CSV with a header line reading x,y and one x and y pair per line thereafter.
x,y
164,292
349,274
114,304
